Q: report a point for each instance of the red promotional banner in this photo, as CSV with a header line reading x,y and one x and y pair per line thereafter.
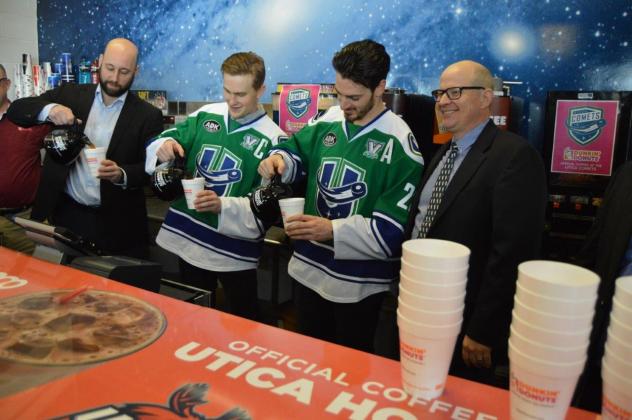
x,y
583,141
78,346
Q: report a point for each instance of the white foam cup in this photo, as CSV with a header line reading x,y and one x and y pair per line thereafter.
x,y
552,321
94,156
558,280
426,275
416,314
623,291
441,291
191,188
558,354
621,311
435,254
550,337
570,307
426,330
622,366
291,206
617,394
425,363
428,303
619,347
540,389
620,329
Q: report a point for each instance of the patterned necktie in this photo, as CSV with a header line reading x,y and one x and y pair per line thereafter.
x,y
439,189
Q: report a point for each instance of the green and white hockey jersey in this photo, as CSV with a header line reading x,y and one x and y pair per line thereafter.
x,y
364,183
226,153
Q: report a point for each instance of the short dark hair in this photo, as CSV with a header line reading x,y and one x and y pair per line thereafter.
x,y
364,62
246,63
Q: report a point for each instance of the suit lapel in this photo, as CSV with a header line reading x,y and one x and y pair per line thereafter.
x,y
86,98
469,166
124,120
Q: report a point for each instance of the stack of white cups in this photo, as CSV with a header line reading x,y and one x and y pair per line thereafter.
x,y
430,312
550,330
616,366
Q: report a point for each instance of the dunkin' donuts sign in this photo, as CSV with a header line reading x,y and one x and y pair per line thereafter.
x,y
584,136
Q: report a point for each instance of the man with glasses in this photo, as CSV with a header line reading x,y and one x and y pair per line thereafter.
x,y
20,167
486,190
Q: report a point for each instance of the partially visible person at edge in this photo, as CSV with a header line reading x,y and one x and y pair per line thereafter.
x,y
20,167
108,210
362,163
212,242
494,204
608,252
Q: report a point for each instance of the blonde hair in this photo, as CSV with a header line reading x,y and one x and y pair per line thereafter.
x,y
246,63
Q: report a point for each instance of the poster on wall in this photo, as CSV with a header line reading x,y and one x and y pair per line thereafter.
x,y
297,104
584,137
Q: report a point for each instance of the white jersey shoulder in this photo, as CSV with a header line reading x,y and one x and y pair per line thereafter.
x,y
333,114
268,128
218,108
393,125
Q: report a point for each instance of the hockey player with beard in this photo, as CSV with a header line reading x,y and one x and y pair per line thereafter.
x,y
224,143
362,163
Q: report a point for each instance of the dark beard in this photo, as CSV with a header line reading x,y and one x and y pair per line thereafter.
x,y
361,112
114,92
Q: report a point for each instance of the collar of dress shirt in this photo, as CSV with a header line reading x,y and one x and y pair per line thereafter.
x,y
98,94
465,142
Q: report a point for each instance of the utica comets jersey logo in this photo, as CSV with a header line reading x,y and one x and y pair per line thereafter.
x,y
220,169
298,101
249,141
585,124
340,186
373,148
182,405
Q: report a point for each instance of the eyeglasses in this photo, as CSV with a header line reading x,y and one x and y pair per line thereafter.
x,y
453,93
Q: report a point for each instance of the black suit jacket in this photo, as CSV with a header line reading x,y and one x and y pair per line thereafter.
x,y
123,211
494,205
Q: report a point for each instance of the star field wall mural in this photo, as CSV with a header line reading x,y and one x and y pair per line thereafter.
x,y
546,44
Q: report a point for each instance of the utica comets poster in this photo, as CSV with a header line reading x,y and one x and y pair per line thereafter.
x,y
583,141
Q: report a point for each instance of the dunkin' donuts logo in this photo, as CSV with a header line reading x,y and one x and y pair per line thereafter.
x,y
539,396
413,353
298,101
181,405
585,123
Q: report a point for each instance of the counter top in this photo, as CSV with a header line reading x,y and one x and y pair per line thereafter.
x,y
196,361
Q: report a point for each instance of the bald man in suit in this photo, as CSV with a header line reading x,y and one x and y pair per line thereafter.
x,y
110,210
494,203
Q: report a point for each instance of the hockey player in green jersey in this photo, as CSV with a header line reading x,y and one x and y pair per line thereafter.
x,y
362,164
222,142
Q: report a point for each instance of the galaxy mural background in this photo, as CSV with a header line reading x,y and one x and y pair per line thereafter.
x,y
546,44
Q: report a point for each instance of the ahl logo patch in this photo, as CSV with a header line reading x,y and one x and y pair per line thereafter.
x,y
211,126
585,123
249,141
298,101
182,405
373,147
330,139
